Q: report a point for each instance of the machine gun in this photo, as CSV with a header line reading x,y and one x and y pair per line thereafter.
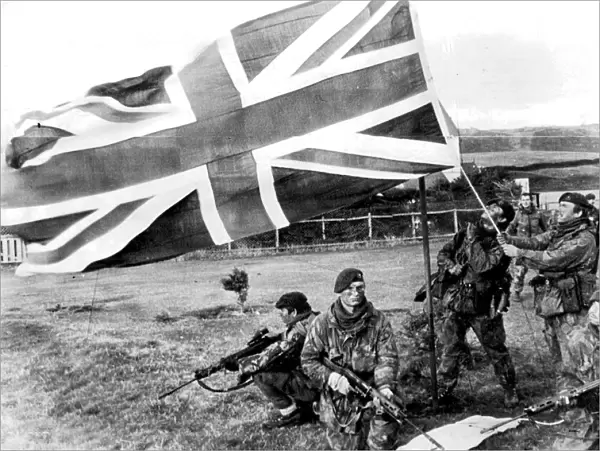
x,y
365,390
549,403
259,342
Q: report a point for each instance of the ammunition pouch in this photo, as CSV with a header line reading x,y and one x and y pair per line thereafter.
x,y
563,294
469,298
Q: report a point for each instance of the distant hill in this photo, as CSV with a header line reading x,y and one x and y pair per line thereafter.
x,y
574,139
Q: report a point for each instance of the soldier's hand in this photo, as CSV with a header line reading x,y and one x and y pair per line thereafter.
x,y
563,400
339,383
501,239
510,250
385,392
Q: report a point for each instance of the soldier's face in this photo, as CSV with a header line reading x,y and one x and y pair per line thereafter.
x,y
353,296
287,317
566,213
525,201
497,216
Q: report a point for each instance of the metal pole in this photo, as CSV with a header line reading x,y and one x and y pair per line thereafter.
x,y
370,222
425,235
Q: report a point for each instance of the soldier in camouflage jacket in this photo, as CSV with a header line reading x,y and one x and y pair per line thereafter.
x,y
476,299
565,257
277,372
528,222
355,335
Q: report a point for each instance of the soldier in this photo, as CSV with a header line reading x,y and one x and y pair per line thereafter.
x,y
583,357
565,257
528,222
357,336
277,372
476,299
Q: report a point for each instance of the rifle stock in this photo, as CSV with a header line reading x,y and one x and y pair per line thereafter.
x,y
259,342
548,403
389,406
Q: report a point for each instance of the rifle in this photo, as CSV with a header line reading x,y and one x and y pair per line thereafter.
x,y
549,403
258,343
367,391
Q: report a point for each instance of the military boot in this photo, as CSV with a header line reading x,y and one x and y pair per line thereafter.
x,y
511,398
295,418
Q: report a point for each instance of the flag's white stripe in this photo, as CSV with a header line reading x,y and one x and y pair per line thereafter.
x,y
362,31
48,117
23,215
71,232
408,150
268,195
290,59
208,208
232,62
427,73
342,170
323,72
92,131
349,126
114,240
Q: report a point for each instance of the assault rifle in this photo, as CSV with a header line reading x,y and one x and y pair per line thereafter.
x,y
549,403
259,342
367,391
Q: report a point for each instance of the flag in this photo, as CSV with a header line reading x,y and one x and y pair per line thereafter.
x,y
285,117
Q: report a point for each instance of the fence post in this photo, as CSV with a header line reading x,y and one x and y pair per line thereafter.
x,y
455,220
414,226
276,238
323,227
229,247
370,221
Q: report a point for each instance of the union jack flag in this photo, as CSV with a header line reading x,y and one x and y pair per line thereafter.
x,y
285,117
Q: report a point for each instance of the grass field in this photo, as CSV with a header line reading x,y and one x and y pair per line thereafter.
x,y
85,356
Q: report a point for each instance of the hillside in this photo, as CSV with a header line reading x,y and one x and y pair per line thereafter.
x,y
584,138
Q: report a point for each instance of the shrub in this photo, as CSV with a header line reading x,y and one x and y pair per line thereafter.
x,y
237,282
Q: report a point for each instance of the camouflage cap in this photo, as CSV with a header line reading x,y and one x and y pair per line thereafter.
x,y
346,277
575,198
293,300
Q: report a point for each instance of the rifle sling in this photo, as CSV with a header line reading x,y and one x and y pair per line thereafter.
x,y
224,390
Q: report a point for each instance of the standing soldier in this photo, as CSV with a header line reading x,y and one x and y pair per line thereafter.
x,y
357,336
565,257
476,299
277,372
528,222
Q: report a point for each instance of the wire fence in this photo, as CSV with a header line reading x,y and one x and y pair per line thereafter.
x,y
340,230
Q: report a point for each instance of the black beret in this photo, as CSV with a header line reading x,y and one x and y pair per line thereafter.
x,y
508,211
575,198
346,277
293,300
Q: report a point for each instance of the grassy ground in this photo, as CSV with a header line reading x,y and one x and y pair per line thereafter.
x,y
84,357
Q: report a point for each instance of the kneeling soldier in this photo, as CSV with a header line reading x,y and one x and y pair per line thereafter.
x,y
276,370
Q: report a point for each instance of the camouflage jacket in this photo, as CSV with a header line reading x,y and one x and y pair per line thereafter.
x,y
370,351
583,353
483,272
527,223
567,261
283,355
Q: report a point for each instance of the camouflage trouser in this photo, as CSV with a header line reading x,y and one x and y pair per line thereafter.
x,y
556,332
370,430
518,273
284,388
491,335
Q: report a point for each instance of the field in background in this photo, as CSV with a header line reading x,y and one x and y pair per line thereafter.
x,y
85,356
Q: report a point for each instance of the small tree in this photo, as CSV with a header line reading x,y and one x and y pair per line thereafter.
x,y
237,282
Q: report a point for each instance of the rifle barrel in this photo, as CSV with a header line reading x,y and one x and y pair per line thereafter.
x,y
164,395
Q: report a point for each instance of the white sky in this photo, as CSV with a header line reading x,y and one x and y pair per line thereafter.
x,y
496,64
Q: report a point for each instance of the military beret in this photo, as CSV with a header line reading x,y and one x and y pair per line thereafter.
x,y
294,300
575,198
346,277
590,196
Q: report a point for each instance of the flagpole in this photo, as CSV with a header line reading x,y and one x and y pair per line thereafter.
x,y
425,235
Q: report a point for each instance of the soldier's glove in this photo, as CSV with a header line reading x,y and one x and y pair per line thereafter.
x,y
387,393
231,364
339,383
